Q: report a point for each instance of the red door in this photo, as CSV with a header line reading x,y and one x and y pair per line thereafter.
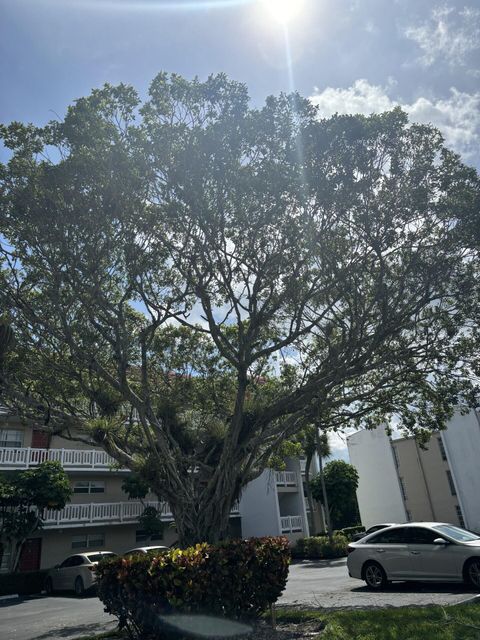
x,y
30,555
40,439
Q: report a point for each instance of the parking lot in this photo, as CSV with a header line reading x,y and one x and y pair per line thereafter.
x,y
326,584
322,584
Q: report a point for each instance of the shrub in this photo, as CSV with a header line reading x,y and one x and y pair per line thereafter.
x,y
320,547
349,532
25,583
237,579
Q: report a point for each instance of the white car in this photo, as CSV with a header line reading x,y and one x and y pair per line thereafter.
x,y
144,550
423,551
76,573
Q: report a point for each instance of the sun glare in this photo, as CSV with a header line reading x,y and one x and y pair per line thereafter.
x,y
283,11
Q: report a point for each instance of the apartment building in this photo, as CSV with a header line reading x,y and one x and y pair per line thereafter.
x,y
100,515
400,481
274,504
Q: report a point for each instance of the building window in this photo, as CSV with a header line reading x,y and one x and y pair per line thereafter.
x,y
450,482
443,453
144,536
89,486
402,487
460,516
11,438
141,536
88,541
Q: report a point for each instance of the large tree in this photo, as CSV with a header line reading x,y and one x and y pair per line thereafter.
x,y
193,280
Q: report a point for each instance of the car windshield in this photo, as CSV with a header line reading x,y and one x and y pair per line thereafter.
x,y
96,557
461,535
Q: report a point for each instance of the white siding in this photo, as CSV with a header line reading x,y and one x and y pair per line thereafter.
x,y
462,445
379,496
259,507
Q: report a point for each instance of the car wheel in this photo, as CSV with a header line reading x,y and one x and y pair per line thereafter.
x,y
374,576
49,586
79,587
472,572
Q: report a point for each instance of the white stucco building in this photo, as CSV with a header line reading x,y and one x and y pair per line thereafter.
x,y
400,481
378,494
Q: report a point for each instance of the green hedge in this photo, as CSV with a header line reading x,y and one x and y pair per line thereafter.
x,y
237,579
23,583
349,532
320,547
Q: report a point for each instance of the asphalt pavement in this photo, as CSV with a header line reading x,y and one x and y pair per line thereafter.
x,y
326,584
322,584
52,618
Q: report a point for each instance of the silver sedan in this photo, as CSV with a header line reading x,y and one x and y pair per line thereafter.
x,y
423,551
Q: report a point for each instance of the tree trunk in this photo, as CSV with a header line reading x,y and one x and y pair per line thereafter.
x,y
16,553
308,462
324,490
206,518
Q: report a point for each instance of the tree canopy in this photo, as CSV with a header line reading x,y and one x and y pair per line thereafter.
x,y
341,482
191,280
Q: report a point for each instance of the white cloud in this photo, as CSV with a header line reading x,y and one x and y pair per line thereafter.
x,y
361,97
449,35
457,116
338,444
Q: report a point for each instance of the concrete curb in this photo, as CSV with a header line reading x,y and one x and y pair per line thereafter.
x,y
11,596
469,600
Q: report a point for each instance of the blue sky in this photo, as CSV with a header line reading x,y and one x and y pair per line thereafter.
x,y
348,55
360,55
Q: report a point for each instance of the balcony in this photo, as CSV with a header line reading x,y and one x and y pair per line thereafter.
x,y
286,478
291,524
98,513
70,459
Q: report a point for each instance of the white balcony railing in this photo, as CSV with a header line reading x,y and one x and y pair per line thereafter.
x,y
106,513
291,524
77,459
286,478
102,512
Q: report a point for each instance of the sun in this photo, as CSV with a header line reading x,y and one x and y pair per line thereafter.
x,y
283,11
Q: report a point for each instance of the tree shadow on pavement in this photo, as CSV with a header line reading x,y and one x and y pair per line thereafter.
x,y
76,631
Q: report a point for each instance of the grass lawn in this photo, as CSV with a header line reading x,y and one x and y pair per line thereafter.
x,y
460,622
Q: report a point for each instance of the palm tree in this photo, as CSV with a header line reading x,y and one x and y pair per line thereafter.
x,y
317,442
324,451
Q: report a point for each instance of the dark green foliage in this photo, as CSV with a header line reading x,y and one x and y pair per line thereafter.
x,y
135,487
150,521
6,338
341,482
321,547
24,497
237,579
46,487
